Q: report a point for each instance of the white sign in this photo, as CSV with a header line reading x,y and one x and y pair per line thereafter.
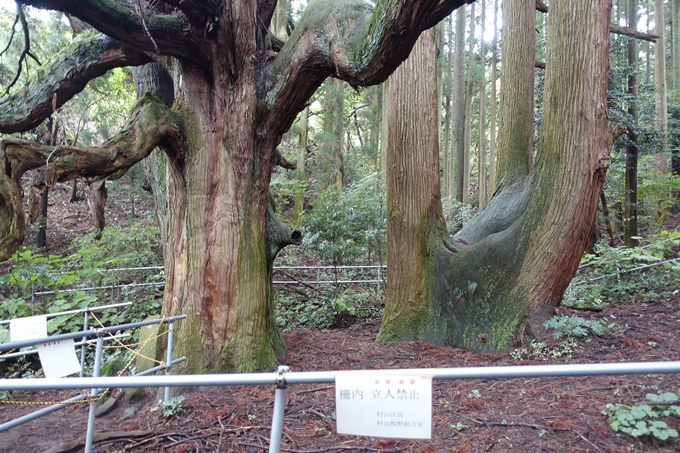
x,y
28,328
384,404
58,358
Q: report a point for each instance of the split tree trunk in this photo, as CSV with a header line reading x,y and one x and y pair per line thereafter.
x,y
510,282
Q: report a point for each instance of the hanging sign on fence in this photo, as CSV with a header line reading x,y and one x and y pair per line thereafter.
x,y
384,404
28,328
58,358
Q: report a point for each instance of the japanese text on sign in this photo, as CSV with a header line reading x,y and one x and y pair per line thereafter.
x,y
384,405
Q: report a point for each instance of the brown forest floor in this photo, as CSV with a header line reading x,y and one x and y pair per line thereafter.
x,y
555,414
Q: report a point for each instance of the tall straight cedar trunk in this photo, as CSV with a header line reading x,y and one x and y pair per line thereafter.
x,y
484,294
516,115
630,209
413,191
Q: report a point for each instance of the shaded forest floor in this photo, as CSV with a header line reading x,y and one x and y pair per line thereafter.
x,y
522,415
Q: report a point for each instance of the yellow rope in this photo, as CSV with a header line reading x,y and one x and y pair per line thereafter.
x,y
88,400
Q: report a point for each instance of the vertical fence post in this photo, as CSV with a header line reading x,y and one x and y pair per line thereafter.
x,y
379,266
168,359
93,394
86,321
277,415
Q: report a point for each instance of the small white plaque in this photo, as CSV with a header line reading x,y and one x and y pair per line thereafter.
x,y
384,405
58,358
28,328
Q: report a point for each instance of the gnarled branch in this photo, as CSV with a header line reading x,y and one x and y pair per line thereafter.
x,y
87,57
152,125
119,20
349,40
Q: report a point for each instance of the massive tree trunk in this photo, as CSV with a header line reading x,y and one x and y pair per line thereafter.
x,y
240,91
510,282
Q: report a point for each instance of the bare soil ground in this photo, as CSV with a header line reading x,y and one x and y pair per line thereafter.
x,y
523,415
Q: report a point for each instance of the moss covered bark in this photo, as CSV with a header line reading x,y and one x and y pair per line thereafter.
x,y
485,293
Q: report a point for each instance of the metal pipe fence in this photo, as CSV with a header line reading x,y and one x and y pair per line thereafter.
x,y
284,377
379,278
100,334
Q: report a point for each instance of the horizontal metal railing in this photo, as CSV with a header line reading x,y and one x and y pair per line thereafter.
x,y
284,377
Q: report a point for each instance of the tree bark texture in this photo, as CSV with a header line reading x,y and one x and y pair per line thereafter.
x,y
660,69
469,84
516,115
509,282
241,90
675,45
481,154
458,140
414,217
630,209
492,107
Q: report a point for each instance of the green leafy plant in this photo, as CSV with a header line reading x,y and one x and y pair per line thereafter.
x,y
575,326
460,427
541,350
644,420
345,226
173,406
328,309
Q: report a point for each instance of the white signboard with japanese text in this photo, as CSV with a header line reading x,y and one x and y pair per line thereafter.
x,y
384,405
58,358
28,328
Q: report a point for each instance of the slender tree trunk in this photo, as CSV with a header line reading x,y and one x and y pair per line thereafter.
x,y
675,47
516,122
459,105
630,214
334,131
482,115
648,45
494,101
281,18
660,69
97,202
470,81
446,142
607,218
41,239
300,171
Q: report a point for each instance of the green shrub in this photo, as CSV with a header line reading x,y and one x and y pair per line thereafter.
x,y
644,420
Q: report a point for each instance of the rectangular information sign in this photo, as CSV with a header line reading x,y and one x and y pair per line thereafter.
x,y
58,358
28,328
394,405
